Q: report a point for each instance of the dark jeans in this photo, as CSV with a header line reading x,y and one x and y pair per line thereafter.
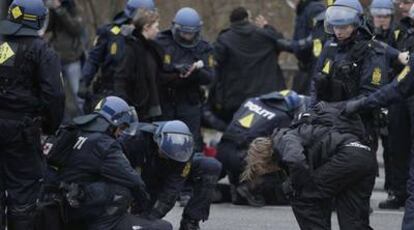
x,y
349,179
21,170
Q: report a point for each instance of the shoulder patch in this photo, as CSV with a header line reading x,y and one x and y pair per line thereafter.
x,y
167,59
6,53
116,30
247,121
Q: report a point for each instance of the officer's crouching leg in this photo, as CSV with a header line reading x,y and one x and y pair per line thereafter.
x,y
129,222
2,211
204,174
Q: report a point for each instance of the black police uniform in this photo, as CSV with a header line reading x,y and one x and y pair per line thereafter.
x,y
350,69
165,178
326,158
306,24
181,98
257,117
31,98
106,181
105,56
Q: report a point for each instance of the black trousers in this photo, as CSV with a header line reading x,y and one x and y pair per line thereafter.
x,y
232,159
399,146
21,170
349,179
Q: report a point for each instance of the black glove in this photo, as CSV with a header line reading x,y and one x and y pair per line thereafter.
x,y
354,106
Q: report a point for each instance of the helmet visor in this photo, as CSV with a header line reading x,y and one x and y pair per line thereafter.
x,y
131,121
178,147
381,12
340,16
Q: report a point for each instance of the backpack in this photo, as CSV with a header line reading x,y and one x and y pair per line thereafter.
x,y
59,147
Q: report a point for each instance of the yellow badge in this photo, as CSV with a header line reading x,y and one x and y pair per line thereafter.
x,y
186,170
116,30
403,73
114,48
167,59
327,68
247,121
16,12
396,34
376,76
6,52
284,92
211,61
317,47
329,2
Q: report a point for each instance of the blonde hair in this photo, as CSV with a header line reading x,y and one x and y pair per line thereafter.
x,y
145,17
259,159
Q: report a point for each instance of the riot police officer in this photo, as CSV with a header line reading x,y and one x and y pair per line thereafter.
x,y
164,155
308,15
107,53
90,170
257,117
31,101
190,60
351,63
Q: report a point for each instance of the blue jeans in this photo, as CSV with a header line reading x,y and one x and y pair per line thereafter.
x,y
72,73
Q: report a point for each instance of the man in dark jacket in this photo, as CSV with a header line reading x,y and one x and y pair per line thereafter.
x,y
31,100
247,64
325,156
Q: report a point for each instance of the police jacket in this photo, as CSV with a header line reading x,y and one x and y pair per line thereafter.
x,y
105,55
137,76
178,90
98,157
247,64
350,68
164,178
315,138
306,24
257,117
30,83
66,27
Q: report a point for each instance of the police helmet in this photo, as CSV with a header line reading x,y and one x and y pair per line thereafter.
x,y
25,18
342,13
133,5
118,113
186,27
381,8
174,140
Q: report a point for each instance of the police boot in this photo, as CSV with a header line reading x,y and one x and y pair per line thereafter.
x,y
392,202
255,200
189,224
